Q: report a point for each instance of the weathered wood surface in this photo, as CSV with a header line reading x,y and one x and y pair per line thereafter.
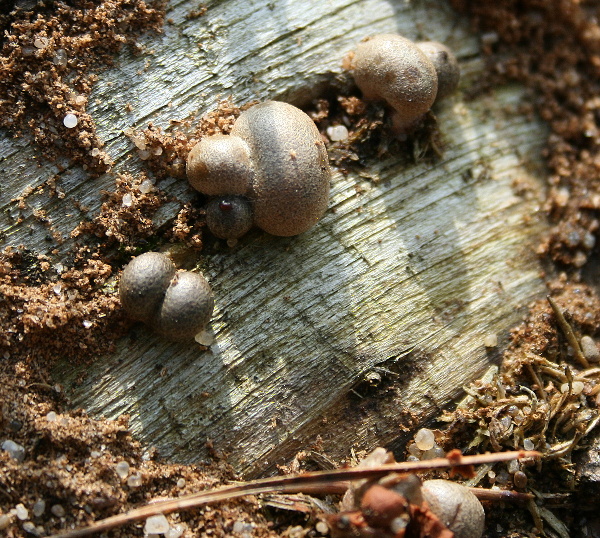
x,y
403,277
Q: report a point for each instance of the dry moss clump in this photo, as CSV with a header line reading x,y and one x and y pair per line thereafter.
x,y
545,397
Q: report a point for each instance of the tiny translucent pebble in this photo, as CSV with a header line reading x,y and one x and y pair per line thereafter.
x,y
425,439
40,42
562,197
156,525
505,422
589,241
337,133
519,418
512,410
238,526
140,143
127,200
60,57
146,186
28,51
414,450
181,483
528,444
5,520
57,510
29,527
412,458
175,531
502,477
513,466
397,525
144,154
95,454
15,450
204,338
122,469
322,527
490,340
489,38
86,323
432,453
134,481
57,288
22,512
95,152
80,100
157,151
590,350
70,121
38,508
576,388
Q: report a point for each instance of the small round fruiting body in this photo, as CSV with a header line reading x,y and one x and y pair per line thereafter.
x,y
285,178
392,68
177,304
143,284
219,165
186,308
446,67
229,217
456,507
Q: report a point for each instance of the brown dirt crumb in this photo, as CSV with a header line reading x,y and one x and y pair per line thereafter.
x,y
166,153
125,217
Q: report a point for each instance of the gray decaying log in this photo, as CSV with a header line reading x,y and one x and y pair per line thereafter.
x,y
411,267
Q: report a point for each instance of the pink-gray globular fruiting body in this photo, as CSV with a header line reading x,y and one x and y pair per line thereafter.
x,y
280,167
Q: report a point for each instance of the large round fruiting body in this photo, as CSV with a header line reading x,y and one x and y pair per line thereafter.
x,y
229,217
220,164
187,307
143,284
290,191
446,66
456,507
392,68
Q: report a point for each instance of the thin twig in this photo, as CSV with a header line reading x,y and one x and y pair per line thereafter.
x,y
568,332
501,495
288,484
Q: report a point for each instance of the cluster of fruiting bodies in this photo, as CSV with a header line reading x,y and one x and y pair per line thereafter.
x,y
272,171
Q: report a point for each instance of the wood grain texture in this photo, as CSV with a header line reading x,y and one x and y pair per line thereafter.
x,y
412,265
